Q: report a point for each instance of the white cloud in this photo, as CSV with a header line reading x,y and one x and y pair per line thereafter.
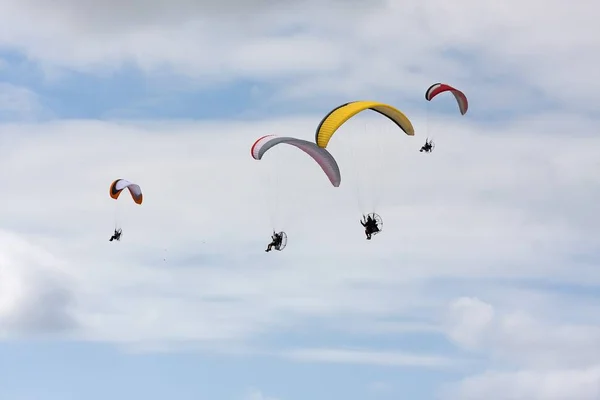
x,y
34,293
444,220
532,358
521,338
256,394
387,358
367,49
559,384
19,102
492,204
472,319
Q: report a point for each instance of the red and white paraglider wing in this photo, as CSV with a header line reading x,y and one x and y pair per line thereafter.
x,y
325,160
437,88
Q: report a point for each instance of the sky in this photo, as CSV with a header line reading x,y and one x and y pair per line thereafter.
x,y
484,283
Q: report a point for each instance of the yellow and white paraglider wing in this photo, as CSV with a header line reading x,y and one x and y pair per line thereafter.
x,y
118,185
325,160
338,116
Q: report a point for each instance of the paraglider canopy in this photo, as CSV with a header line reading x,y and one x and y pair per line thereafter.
x,y
339,115
321,156
437,88
118,185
